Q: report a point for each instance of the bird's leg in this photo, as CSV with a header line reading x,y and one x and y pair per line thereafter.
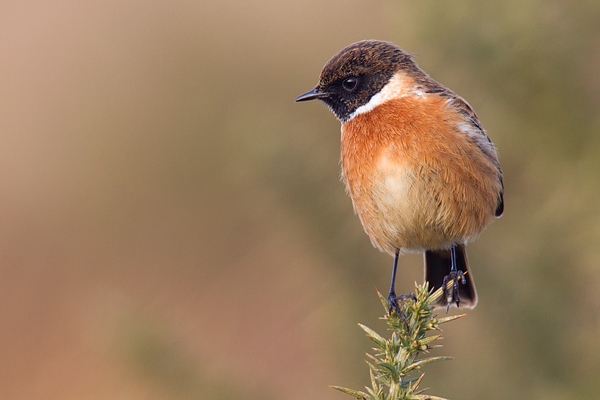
x,y
393,299
457,276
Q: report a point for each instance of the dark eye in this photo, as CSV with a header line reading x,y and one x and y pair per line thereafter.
x,y
350,84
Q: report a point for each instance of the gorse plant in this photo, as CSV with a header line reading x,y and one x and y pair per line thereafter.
x,y
396,364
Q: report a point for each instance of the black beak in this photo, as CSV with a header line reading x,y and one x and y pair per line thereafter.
x,y
312,94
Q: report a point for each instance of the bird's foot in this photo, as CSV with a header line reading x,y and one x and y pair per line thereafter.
x,y
451,294
394,303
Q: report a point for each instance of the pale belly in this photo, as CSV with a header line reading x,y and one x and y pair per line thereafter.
x,y
410,210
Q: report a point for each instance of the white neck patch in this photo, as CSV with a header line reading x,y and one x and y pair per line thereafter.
x,y
398,86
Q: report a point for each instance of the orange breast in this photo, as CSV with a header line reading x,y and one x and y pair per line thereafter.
x,y
416,180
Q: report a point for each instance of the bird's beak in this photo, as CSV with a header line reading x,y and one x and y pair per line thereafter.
x,y
312,94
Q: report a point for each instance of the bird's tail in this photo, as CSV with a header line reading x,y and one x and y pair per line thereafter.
x,y
437,266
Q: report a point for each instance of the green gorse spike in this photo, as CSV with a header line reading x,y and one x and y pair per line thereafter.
x,y
374,336
394,367
354,393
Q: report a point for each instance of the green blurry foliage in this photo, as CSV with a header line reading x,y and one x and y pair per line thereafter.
x,y
528,70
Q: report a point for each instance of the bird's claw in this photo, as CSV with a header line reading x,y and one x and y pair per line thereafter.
x,y
393,303
452,294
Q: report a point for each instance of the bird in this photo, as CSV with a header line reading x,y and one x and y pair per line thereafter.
x,y
422,173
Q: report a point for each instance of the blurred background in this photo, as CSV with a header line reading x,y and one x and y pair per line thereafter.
x,y
172,225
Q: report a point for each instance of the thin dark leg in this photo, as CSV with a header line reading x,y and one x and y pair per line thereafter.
x,y
453,258
393,299
394,268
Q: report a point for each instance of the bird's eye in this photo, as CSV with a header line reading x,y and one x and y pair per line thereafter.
x,y
350,84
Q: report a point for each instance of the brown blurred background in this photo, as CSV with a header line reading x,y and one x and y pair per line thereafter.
x,y
172,225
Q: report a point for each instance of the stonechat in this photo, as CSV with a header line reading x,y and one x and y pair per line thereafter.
x,y
422,173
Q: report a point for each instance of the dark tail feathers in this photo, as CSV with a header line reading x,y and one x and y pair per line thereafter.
x,y
437,266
